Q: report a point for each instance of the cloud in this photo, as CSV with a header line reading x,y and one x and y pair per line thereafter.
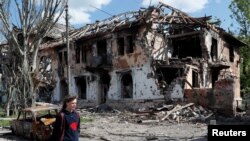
x,y
79,10
188,6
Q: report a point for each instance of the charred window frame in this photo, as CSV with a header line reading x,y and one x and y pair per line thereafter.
x,y
102,50
82,87
121,45
65,55
126,84
77,52
214,50
130,44
187,47
215,74
84,54
231,53
195,79
60,55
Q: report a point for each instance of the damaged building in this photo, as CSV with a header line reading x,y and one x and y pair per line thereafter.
x,y
145,57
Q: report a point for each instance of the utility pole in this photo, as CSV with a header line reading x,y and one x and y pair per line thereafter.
x,y
67,44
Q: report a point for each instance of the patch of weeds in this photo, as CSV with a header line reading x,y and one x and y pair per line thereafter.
x,y
86,119
4,123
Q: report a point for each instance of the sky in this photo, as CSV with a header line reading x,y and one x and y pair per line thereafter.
x,y
88,11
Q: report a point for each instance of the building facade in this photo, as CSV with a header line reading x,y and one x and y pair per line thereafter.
x,y
145,57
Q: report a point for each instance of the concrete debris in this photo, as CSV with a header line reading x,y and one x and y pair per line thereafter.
x,y
103,108
173,113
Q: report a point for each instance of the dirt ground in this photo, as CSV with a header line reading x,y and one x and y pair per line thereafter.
x,y
185,123
126,126
181,123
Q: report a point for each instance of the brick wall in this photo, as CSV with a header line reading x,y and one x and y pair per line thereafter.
x,y
220,98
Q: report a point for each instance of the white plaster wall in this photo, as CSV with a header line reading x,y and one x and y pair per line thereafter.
x,y
56,91
92,87
93,90
144,87
114,90
177,92
208,43
189,79
158,50
207,77
72,86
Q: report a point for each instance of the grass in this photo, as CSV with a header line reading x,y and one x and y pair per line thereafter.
x,y
86,119
4,123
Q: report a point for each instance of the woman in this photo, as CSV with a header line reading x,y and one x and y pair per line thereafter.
x,y
67,125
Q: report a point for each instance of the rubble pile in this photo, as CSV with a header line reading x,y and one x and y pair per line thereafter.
x,y
168,113
171,113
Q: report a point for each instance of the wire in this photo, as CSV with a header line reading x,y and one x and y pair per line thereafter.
x,y
101,10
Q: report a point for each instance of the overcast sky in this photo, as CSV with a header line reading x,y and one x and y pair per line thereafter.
x,y
87,11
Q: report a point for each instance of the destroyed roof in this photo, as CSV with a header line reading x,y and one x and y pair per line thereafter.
x,y
161,14
57,31
109,24
142,16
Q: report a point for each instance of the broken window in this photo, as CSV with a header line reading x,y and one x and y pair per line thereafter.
x,y
195,79
81,87
187,47
169,74
77,52
65,57
214,51
130,44
120,43
60,57
105,82
102,50
45,69
127,86
215,74
231,53
64,89
84,54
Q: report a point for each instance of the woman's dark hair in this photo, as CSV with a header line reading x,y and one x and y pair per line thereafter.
x,y
67,99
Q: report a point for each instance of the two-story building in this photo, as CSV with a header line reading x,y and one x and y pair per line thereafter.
x,y
145,57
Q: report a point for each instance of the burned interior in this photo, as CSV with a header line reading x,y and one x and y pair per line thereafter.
x,y
154,53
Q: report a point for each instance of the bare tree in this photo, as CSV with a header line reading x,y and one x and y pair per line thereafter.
x,y
24,24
